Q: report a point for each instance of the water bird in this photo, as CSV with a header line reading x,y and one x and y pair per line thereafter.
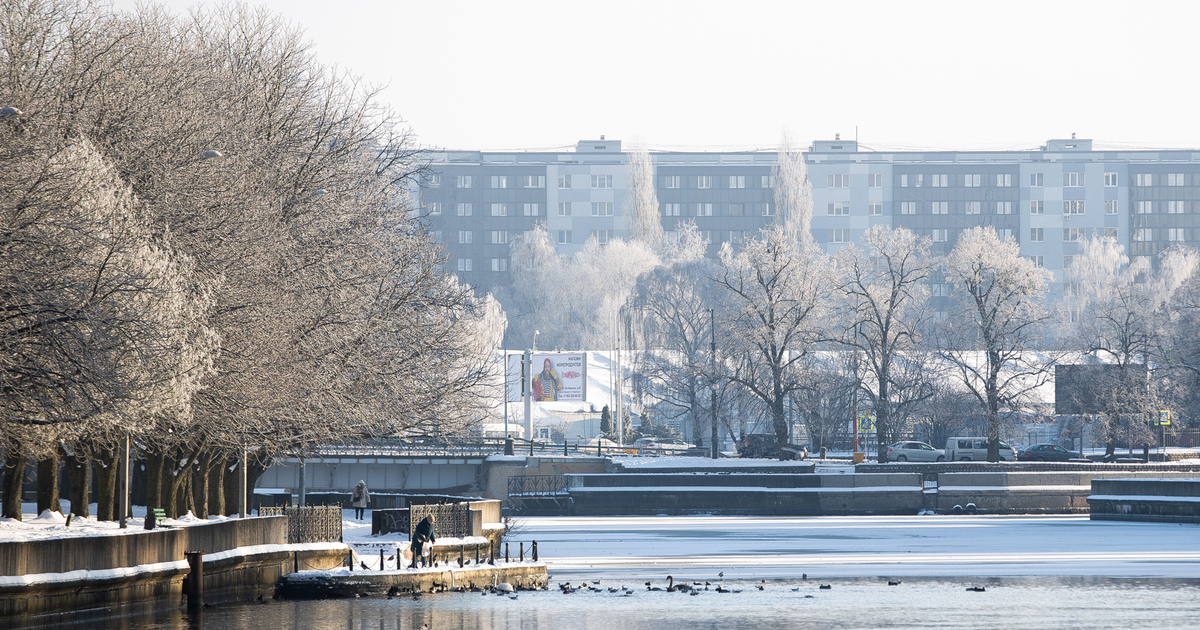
x,y
976,589
613,589
758,586
826,587
804,576
796,589
894,583
364,566
513,596
721,574
652,588
722,589
595,581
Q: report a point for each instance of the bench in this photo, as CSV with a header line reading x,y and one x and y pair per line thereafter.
x,y
156,518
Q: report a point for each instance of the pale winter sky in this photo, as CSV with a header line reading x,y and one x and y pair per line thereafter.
x,y
691,74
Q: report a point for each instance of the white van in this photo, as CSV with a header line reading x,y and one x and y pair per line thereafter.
x,y
974,449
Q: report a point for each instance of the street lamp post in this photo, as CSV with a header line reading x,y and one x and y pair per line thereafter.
x,y
712,329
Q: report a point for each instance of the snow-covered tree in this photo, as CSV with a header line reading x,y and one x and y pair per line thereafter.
x,y
882,290
793,192
775,308
992,333
642,218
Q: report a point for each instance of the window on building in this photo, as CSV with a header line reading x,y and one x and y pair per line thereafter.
x,y
1144,179
564,237
463,181
766,210
1037,235
1144,207
1005,234
1072,234
1068,260
1110,206
1004,180
972,180
1038,261
463,209
533,210
940,235
840,235
874,180
973,207
940,207
704,181
1175,207
1035,179
939,180
499,181
767,181
1110,180
564,181
1176,179
908,207
601,236
466,264
1110,233
840,180
1176,235
437,236
1037,207
704,209
875,208
1143,234
671,209
838,208
564,208
737,181
434,180
466,237
939,289
1072,180
602,209
499,209
904,181
601,181
672,181
534,181
920,180
1003,207
499,237
737,209
499,264
434,207
1073,206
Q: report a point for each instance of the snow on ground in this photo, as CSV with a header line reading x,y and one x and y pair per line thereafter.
x,y
785,547
679,461
54,525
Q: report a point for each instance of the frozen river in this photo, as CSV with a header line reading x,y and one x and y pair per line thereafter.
x,y
1043,572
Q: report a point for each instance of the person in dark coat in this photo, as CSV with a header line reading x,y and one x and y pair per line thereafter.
x,y
421,535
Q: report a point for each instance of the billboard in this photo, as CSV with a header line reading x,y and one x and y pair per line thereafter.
x,y
557,376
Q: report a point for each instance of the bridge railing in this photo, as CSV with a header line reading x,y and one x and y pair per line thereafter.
x,y
318,523
535,485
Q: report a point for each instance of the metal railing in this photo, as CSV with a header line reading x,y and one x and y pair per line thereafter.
x,y
536,485
320,523
450,521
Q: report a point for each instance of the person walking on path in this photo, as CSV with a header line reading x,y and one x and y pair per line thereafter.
x,y
359,499
422,534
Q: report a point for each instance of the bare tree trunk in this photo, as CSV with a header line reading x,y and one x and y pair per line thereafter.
x,y
47,485
154,473
106,483
230,485
216,486
79,477
200,487
170,486
14,478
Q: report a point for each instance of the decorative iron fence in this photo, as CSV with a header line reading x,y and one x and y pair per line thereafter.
x,y
319,523
450,521
535,485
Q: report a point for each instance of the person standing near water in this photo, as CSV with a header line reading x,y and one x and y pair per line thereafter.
x,y
359,499
422,534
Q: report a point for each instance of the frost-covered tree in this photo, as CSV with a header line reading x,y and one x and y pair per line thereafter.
x,y
642,218
793,192
882,292
775,302
992,333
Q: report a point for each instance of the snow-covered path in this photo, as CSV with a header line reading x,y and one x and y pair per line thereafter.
x,y
767,547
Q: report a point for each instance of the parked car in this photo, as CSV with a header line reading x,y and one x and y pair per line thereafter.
x,y
914,452
766,445
1046,453
967,449
661,446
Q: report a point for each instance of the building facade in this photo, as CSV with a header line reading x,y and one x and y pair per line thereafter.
x,y
1049,199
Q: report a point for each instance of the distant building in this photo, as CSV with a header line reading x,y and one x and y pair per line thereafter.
x,y
1049,199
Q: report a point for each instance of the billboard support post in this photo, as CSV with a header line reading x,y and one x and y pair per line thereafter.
x,y
527,373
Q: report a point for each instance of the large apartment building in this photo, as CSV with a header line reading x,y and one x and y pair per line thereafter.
x,y
1048,199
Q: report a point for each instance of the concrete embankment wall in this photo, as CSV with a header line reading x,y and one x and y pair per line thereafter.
x,y
1159,500
322,585
44,576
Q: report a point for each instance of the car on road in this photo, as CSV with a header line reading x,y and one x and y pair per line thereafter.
x,y
914,452
966,449
661,446
1046,453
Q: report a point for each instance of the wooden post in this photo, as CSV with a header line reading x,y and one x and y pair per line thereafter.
x,y
533,551
242,512
195,580
382,565
123,482
521,550
506,552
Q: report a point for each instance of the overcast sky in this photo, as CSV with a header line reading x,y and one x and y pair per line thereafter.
x,y
720,75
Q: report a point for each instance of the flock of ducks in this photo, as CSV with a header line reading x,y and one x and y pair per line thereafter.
x,y
694,588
